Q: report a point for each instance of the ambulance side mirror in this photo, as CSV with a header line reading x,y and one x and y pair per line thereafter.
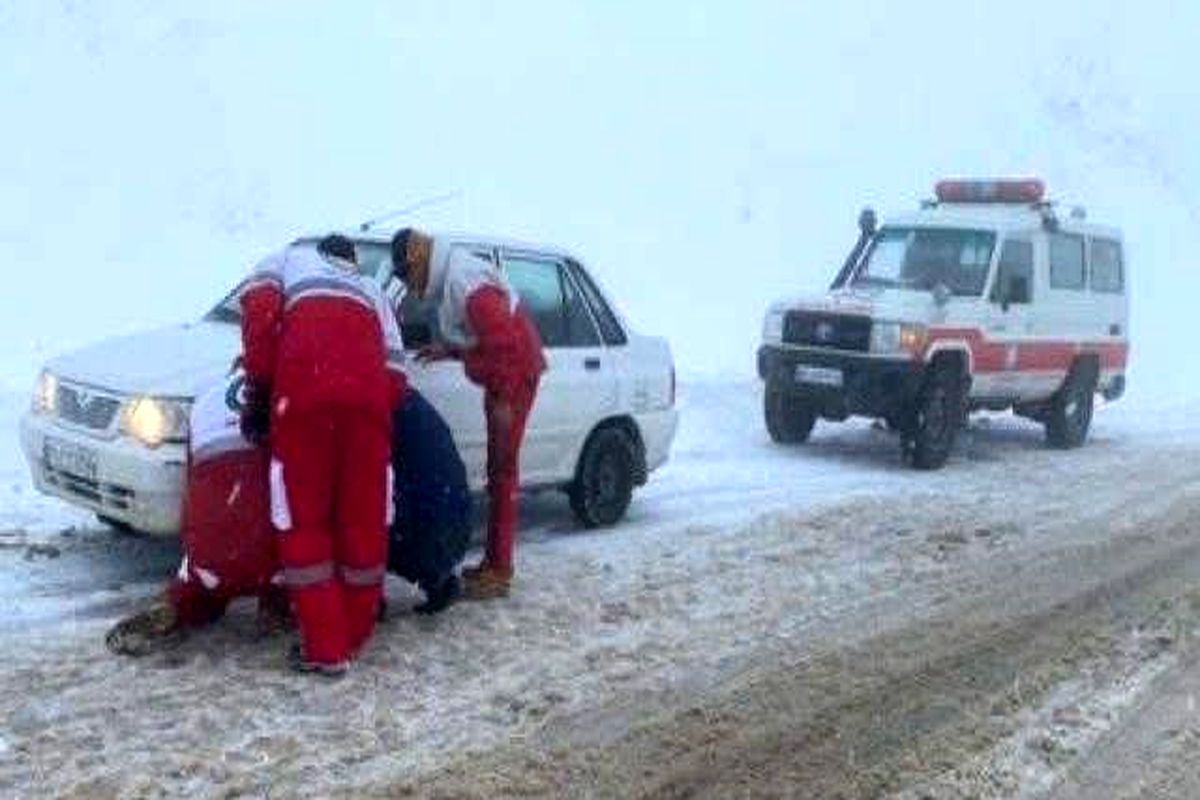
x,y
1013,289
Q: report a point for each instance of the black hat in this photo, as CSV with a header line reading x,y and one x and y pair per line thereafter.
x,y
400,253
337,246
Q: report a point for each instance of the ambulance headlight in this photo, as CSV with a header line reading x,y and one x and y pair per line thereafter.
x,y
153,420
898,338
773,327
45,393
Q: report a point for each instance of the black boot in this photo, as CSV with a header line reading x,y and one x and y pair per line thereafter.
x,y
440,597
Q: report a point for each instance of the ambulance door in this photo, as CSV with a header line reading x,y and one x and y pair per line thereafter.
x,y
1010,326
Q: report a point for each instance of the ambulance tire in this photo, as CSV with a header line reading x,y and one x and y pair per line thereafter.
x,y
939,414
603,486
1070,412
789,420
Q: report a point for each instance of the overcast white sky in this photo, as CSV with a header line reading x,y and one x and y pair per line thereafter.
x,y
702,158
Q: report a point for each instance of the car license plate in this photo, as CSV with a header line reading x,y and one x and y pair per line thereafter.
x,y
70,458
820,376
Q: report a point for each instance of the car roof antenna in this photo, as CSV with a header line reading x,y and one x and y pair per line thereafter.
x,y
427,202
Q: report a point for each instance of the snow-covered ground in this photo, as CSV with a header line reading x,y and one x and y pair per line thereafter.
x,y
736,550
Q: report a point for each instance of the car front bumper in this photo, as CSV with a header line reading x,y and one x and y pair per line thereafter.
x,y
872,386
133,484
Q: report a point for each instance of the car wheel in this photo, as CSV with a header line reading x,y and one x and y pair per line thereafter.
x,y
789,420
1070,412
603,485
938,416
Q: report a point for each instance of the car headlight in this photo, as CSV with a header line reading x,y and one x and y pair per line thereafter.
x,y
773,327
153,421
45,393
898,338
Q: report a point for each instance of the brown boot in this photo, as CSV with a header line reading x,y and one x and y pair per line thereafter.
x,y
145,631
486,582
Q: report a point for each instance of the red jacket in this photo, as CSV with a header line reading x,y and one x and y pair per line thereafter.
x,y
508,349
479,314
317,333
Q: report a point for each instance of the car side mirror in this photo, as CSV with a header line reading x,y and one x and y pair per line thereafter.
x,y
416,335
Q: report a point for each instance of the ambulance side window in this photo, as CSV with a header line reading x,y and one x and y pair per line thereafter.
x,y
1014,276
1066,261
1107,271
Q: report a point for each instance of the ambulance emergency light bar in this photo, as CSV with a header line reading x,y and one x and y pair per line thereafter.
x,y
1002,190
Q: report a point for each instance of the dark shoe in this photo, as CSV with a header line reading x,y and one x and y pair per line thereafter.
x,y
442,597
274,615
486,582
145,631
298,663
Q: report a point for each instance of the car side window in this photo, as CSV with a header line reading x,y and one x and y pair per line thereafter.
x,y
610,328
1014,275
374,258
552,301
1066,261
1107,272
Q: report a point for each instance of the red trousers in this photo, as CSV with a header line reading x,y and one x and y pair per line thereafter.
x,y
507,414
196,605
329,500
228,543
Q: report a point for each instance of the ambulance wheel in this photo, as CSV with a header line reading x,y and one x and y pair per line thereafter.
x,y
789,420
1070,413
603,485
937,418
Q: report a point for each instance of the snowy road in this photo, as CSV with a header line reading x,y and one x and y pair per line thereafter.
x,y
815,622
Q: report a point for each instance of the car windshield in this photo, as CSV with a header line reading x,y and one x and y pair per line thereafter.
x,y
372,257
922,258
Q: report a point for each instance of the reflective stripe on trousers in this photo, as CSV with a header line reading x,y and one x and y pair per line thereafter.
x,y
370,576
299,577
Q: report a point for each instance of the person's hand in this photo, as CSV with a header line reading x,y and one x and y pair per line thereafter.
x,y
434,352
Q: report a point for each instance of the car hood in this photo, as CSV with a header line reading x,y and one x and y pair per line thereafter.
x,y
169,362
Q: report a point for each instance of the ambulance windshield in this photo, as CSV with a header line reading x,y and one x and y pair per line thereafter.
x,y
922,258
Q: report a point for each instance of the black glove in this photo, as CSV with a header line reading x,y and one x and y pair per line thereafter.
x,y
256,413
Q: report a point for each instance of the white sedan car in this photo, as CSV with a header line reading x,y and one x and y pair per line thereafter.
x,y
107,429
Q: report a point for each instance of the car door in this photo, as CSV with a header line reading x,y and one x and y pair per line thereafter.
x,y
444,384
579,387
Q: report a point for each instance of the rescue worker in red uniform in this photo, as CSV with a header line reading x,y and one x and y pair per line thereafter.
x,y
324,366
227,539
482,325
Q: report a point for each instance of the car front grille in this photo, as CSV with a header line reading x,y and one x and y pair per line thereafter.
x,y
833,331
86,408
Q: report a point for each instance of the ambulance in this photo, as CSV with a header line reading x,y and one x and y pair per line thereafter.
x,y
987,297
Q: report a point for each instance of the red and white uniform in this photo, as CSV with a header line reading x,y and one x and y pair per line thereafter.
x,y
228,541
478,314
324,340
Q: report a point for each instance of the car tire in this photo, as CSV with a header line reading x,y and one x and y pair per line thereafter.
x,y
604,480
937,417
1070,413
789,420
